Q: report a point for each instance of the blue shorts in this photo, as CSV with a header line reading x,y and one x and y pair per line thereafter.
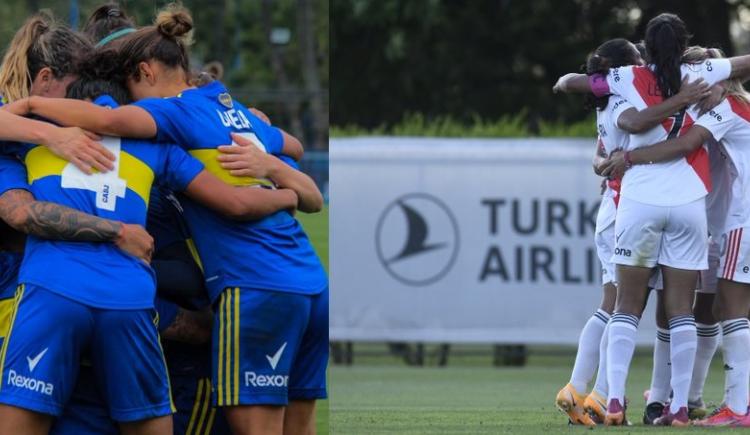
x,y
269,347
41,356
86,412
190,373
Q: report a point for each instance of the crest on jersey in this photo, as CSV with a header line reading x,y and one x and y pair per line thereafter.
x,y
226,100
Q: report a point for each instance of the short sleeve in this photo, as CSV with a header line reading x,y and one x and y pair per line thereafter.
x,y
620,81
619,106
716,70
163,111
12,174
718,121
289,161
269,135
180,168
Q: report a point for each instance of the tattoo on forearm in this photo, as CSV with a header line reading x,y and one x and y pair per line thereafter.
x,y
53,221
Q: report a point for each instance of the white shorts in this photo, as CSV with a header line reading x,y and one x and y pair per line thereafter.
x,y
673,236
708,280
605,246
735,256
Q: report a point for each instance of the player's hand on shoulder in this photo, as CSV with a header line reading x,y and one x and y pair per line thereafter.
x,y
81,148
244,159
136,241
715,96
693,92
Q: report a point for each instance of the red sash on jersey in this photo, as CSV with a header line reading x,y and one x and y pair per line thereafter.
x,y
645,83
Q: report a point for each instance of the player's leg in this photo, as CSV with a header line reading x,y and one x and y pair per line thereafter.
x,y
707,329
684,253
137,390
637,242
733,297
570,399
595,404
256,336
255,419
187,349
658,393
39,359
307,380
736,353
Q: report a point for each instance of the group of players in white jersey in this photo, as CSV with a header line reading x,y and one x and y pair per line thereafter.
x,y
674,150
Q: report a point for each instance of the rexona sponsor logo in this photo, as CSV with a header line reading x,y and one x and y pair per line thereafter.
x,y
259,380
28,383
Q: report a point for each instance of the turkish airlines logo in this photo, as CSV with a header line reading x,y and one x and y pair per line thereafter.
x,y
417,239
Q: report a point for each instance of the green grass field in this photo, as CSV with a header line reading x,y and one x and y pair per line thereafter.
x,y
383,396
316,227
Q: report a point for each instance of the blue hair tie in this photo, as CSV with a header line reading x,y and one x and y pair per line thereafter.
x,y
115,35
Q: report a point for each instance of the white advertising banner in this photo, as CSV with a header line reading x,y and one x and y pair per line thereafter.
x,y
464,240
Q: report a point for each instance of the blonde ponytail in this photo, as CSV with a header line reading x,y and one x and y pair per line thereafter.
x,y
15,76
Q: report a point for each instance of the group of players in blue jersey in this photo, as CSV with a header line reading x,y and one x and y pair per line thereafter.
x,y
153,277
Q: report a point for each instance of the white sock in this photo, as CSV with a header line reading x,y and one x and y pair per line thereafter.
x,y
588,351
600,387
708,341
683,342
662,372
622,331
736,350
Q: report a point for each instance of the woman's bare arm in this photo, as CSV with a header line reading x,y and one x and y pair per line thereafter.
x,y
663,151
124,121
637,121
239,203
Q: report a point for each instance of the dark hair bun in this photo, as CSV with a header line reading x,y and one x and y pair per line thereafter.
x,y
175,22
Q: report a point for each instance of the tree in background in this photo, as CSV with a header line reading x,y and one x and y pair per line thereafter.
x,y
236,33
486,58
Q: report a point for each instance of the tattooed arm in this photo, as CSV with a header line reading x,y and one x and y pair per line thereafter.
x,y
47,220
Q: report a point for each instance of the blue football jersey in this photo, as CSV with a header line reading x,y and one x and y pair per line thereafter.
x,y
273,253
100,274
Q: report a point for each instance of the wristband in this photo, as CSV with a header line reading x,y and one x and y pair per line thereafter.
x,y
598,84
628,162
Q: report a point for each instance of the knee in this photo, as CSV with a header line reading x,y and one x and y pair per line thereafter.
x,y
717,309
608,298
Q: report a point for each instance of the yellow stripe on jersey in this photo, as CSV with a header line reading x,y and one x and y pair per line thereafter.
x,y
236,399
194,253
16,303
220,357
209,159
139,175
41,163
6,313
